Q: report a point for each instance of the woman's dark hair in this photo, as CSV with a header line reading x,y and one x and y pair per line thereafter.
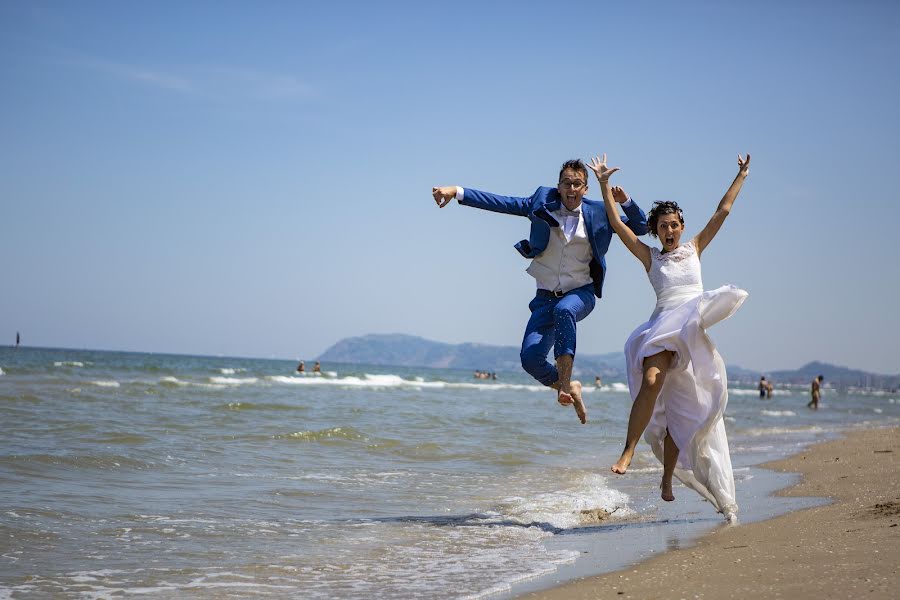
x,y
659,209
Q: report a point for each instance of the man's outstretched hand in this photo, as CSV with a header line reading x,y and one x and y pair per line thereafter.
x,y
443,195
619,195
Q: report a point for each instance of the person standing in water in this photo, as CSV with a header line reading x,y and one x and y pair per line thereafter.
x,y
815,390
676,376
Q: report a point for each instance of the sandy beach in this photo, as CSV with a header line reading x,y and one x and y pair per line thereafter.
x,y
849,548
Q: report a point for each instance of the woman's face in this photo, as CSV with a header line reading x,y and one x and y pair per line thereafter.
x,y
669,228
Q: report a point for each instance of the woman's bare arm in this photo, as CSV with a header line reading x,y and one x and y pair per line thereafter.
x,y
724,209
640,250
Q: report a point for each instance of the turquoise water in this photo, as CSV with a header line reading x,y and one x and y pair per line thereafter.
x,y
215,477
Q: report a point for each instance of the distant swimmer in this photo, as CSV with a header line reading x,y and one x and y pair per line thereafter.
x,y
317,368
18,339
301,368
763,387
815,391
597,381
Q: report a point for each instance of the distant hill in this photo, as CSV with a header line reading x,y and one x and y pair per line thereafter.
x,y
841,377
412,351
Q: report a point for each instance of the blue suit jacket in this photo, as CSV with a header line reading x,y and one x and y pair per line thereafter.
x,y
537,208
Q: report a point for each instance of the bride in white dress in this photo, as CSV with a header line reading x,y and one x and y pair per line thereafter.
x,y
676,377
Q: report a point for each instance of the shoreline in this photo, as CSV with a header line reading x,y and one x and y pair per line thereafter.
x,y
847,548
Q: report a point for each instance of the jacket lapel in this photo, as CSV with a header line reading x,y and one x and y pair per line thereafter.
x,y
543,212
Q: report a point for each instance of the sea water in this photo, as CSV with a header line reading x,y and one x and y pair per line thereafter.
x,y
214,477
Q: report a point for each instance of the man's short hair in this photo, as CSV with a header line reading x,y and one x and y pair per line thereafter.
x,y
576,165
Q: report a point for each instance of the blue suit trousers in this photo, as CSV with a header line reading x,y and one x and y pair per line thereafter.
x,y
552,323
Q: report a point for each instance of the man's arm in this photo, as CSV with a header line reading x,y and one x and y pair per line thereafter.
x,y
510,205
636,219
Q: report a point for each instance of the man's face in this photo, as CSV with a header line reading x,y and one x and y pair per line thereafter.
x,y
572,187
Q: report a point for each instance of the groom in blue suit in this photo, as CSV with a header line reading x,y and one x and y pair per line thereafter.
x,y
567,246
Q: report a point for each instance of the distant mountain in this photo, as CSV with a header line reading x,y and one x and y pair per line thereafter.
x,y
412,351
841,377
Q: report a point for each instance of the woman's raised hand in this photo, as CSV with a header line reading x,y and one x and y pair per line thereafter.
x,y
744,165
601,170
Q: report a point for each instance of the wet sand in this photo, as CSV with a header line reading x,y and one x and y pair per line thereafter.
x,y
849,548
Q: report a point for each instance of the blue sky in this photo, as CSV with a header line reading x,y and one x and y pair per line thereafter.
x,y
254,178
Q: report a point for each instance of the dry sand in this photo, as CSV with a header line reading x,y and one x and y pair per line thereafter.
x,y
849,548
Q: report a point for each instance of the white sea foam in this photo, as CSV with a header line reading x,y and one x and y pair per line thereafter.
x,y
563,508
615,387
755,392
169,380
645,469
495,386
68,363
489,558
1,371
106,383
228,371
778,413
610,387
498,588
784,430
395,381
758,448
233,380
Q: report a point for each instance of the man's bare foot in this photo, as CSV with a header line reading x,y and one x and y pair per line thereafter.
x,y
580,410
623,463
564,397
666,488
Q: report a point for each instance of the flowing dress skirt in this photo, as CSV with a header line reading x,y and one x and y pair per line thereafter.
x,y
692,401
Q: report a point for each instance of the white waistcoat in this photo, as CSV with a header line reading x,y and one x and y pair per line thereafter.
x,y
565,264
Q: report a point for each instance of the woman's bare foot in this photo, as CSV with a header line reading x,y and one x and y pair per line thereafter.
x,y
580,410
623,463
666,488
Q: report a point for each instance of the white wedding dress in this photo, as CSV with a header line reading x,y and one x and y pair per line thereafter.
x,y
692,401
